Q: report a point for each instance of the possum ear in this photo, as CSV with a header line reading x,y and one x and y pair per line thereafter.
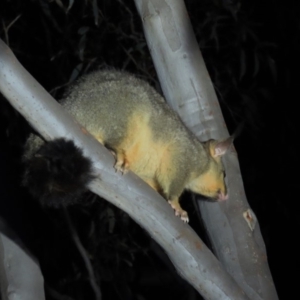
x,y
220,148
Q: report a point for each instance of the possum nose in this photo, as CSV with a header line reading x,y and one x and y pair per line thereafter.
x,y
222,196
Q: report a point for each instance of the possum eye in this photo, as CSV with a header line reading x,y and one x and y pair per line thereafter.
x,y
224,174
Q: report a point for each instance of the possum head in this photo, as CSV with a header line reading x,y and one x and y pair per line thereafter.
x,y
211,182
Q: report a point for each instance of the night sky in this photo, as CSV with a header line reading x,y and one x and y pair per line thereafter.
x,y
251,49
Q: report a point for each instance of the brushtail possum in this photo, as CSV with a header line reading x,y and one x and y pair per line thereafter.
x,y
131,118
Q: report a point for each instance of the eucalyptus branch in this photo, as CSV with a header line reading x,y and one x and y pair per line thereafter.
x,y
231,225
192,259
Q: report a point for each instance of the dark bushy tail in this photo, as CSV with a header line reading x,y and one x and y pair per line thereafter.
x,y
58,173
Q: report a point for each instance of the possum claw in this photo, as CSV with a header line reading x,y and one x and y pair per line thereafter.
x,y
184,217
121,166
179,212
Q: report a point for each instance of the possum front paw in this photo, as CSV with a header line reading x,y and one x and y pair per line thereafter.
x,y
122,164
179,212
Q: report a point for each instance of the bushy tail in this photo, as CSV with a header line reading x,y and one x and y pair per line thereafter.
x,y
58,173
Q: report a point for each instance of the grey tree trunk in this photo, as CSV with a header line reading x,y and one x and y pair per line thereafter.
x,y
231,225
20,274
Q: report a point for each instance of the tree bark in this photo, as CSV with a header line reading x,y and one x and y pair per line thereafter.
x,y
20,274
190,256
231,225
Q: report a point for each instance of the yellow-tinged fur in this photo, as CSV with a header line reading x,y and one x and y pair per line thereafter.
x,y
128,116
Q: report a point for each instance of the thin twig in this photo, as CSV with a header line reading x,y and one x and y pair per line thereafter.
x,y
84,255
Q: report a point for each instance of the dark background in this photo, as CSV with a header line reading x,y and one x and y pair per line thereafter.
x,y
251,49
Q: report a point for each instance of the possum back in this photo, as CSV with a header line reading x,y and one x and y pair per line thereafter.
x,y
103,102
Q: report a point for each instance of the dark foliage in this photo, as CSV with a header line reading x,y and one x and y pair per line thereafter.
x,y
251,51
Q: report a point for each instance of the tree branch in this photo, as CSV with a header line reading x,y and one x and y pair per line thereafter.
x,y
188,89
20,274
190,256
